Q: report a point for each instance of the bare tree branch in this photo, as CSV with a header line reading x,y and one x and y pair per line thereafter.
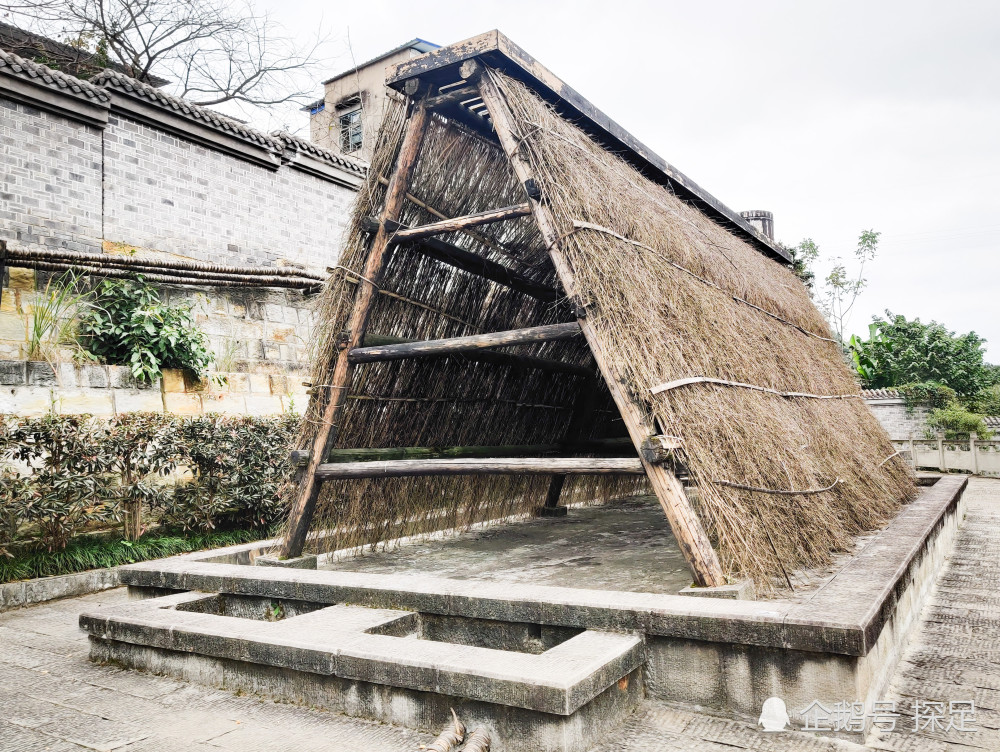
x,y
211,52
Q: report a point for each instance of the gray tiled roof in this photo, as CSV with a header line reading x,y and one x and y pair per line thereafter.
x,y
881,394
26,69
319,152
113,80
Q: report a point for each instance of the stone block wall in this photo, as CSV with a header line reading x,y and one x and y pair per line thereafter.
x,y
116,166
899,421
33,388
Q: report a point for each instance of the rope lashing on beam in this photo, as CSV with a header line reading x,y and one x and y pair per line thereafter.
x,y
578,225
666,387
778,492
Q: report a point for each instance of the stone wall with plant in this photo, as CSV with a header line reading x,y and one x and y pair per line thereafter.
x,y
114,166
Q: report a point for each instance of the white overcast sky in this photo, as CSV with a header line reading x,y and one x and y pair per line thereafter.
x,y
836,116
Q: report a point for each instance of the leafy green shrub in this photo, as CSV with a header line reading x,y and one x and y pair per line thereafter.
x,y
987,402
65,493
14,493
929,393
137,449
128,325
957,422
239,465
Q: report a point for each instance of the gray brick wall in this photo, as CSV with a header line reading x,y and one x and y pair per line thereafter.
x,y
50,179
898,421
173,195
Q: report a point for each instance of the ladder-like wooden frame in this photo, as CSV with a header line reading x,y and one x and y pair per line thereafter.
x,y
684,522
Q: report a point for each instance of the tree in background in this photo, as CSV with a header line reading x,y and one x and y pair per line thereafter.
x,y
933,366
841,287
899,351
212,52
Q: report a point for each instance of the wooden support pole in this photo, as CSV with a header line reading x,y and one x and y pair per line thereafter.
x,y
496,358
687,529
309,485
457,224
583,414
438,347
474,466
3,269
451,254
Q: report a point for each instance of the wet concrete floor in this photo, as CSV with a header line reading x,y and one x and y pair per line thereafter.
x,y
624,545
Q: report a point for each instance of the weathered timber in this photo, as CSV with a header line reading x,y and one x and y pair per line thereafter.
x,y
687,528
308,483
437,347
496,358
3,269
473,466
583,413
457,224
659,448
433,453
451,254
453,97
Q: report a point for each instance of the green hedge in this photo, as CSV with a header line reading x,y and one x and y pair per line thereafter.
x,y
197,474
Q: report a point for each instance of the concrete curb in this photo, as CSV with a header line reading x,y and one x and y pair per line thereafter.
x,y
31,592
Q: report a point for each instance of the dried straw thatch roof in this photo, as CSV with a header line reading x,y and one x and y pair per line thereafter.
x,y
671,297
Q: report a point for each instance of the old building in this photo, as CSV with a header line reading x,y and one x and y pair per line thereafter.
x,y
346,119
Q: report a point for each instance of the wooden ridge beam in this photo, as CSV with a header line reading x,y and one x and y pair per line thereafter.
x,y
455,345
475,466
457,224
451,254
496,358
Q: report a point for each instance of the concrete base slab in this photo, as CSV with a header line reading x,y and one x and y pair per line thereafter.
x,y
742,591
306,561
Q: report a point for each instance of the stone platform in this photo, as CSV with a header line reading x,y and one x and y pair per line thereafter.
x,y
838,643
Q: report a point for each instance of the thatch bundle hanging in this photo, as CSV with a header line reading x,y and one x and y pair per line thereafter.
x,y
665,295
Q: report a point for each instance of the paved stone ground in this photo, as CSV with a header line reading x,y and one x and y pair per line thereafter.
x,y
52,698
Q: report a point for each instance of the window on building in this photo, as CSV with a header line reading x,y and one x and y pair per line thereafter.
x,y
350,131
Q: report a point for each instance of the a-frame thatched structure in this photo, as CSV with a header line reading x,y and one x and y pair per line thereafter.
x,y
526,289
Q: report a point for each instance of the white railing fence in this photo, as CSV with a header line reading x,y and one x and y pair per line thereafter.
x,y
972,455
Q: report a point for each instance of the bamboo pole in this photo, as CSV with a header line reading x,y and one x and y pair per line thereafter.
x,y
686,527
455,452
309,484
476,466
458,224
473,343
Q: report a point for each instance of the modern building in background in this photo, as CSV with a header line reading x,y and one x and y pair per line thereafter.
x,y
347,118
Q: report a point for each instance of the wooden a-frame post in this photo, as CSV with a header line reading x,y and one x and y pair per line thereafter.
x,y
686,527
309,485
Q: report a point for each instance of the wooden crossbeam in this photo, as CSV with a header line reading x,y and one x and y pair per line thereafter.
x,y
453,97
455,345
455,452
687,528
474,466
451,254
457,224
496,358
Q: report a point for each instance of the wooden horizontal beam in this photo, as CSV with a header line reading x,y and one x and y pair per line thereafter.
x,y
457,224
496,358
471,466
453,97
473,343
452,255
455,452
